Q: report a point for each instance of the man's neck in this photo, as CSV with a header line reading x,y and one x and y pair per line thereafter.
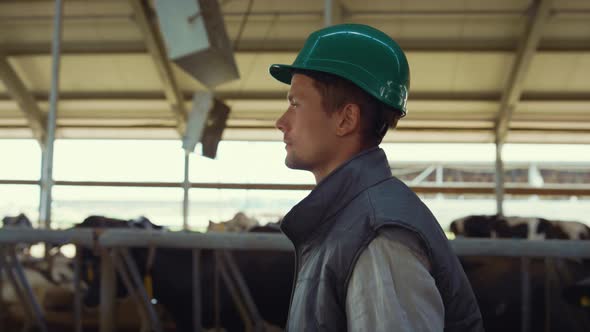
x,y
322,172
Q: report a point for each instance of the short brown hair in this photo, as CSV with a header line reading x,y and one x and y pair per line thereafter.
x,y
376,117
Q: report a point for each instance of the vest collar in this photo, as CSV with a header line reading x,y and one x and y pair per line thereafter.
x,y
334,192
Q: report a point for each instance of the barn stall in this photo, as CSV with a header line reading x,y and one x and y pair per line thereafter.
x,y
501,88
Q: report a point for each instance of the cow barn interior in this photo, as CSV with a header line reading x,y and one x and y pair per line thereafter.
x,y
143,181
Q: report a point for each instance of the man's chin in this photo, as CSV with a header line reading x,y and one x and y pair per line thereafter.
x,y
289,164
293,164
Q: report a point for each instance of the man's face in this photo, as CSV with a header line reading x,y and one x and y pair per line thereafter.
x,y
307,128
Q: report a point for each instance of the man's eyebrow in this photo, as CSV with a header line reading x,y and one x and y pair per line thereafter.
x,y
290,97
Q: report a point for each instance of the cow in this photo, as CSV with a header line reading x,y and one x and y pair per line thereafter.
x,y
52,287
51,281
239,223
50,278
497,281
579,294
53,291
55,267
493,226
267,274
90,264
101,222
17,221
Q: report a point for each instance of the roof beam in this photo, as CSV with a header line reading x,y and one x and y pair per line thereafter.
x,y
155,47
292,46
38,11
25,100
539,14
282,95
272,134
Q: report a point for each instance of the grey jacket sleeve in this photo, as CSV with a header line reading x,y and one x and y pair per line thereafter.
x,y
391,288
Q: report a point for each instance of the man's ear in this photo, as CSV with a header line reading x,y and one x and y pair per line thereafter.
x,y
348,120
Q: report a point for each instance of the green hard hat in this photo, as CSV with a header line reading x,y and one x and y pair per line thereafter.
x,y
359,53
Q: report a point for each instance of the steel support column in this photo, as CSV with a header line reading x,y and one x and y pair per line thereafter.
x,y
186,187
47,158
332,12
538,15
499,176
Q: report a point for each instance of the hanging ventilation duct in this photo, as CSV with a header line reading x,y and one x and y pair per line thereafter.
x,y
196,39
206,123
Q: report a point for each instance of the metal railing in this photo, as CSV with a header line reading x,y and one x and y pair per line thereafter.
x,y
115,243
444,188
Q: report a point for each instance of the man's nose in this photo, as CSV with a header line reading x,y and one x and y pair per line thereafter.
x,y
280,123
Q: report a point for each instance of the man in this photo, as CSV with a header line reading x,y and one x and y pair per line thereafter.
x,y
369,254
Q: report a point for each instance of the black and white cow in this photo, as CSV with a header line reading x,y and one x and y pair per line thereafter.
x,y
53,290
486,226
268,275
50,278
496,281
17,221
90,262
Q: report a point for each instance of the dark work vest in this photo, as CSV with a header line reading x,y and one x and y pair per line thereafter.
x,y
337,221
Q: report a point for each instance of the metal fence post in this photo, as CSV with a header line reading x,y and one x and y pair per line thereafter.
x,y
548,271
244,290
135,278
234,292
107,292
36,310
197,290
2,305
526,294
77,291
132,290
17,288
216,291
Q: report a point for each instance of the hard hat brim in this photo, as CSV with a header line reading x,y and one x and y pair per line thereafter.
x,y
282,73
